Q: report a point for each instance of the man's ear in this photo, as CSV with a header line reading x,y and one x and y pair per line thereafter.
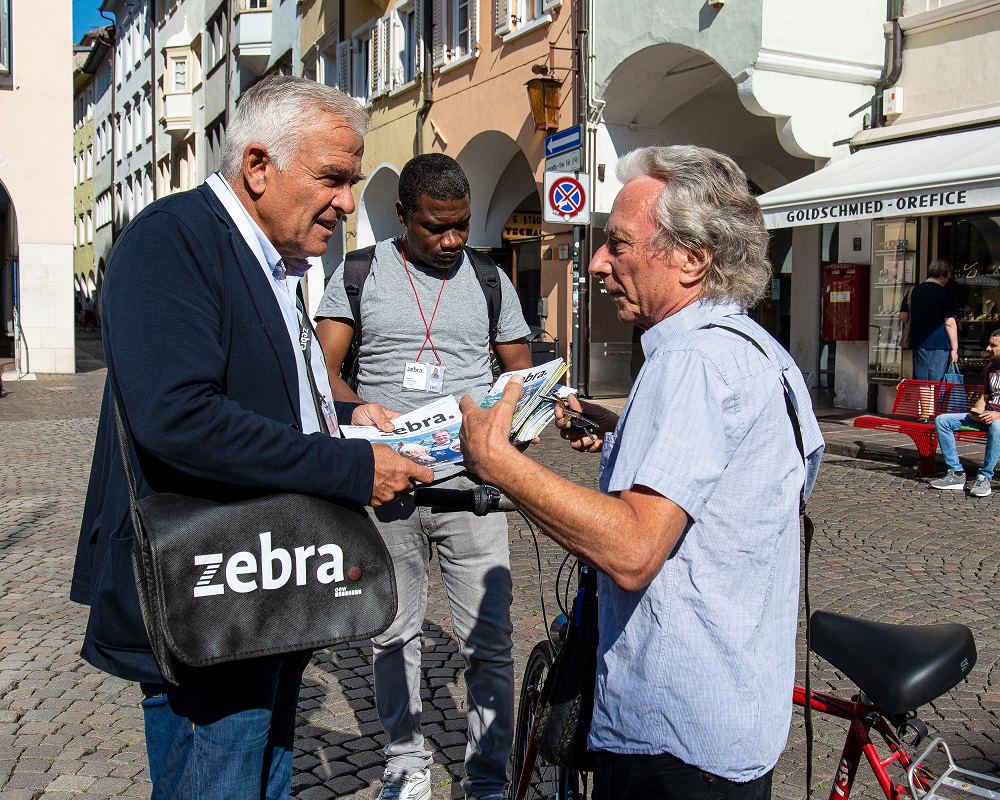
x,y
401,213
255,167
694,264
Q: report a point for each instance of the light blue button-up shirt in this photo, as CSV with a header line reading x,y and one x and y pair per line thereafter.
x,y
284,293
701,663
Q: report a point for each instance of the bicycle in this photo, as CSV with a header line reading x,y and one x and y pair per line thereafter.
x,y
896,669
532,777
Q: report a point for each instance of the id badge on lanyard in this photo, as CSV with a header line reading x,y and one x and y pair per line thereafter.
x,y
423,377
417,375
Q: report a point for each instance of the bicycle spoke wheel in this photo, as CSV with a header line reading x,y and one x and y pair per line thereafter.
x,y
544,781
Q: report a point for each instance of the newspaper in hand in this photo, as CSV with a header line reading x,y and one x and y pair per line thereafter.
x,y
428,435
531,413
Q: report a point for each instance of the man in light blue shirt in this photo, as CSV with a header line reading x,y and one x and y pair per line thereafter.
x,y
696,528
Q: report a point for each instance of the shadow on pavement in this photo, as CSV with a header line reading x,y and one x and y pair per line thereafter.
x,y
339,739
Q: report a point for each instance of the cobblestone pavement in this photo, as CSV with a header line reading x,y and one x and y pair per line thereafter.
x,y
887,547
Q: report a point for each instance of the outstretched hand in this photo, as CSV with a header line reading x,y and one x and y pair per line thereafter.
x,y
485,433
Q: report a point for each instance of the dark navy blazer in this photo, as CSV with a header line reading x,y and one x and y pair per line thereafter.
x,y
201,361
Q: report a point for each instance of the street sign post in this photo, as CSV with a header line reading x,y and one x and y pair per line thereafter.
x,y
567,198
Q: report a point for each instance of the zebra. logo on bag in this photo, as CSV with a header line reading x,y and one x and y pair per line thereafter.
x,y
275,568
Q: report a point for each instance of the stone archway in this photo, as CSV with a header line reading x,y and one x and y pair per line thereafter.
x,y
377,218
501,180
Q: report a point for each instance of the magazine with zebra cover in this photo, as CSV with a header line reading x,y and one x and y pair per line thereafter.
x,y
428,435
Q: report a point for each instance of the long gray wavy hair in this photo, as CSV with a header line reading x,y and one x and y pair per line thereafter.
x,y
707,208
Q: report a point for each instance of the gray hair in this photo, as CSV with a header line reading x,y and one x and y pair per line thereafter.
x,y
707,208
278,112
939,268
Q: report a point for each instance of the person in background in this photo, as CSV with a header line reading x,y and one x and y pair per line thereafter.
x,y
424,313
982,416
930,311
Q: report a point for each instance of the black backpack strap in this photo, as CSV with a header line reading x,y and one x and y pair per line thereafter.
x,y
488,274
808,531
357,265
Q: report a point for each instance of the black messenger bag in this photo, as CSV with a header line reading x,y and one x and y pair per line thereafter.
x,y
222,582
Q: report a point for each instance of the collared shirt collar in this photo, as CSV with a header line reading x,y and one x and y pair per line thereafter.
x,y
697,315
265,252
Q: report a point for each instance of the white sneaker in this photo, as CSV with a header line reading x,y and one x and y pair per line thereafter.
x,y
981,488
415,786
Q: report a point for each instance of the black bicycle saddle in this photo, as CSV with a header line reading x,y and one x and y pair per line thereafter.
x,y
899,667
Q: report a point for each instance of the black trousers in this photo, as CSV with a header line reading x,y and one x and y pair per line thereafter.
x,y
631,777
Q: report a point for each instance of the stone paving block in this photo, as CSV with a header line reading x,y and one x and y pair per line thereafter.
x,y
71,783
344,785
27,780
316,793
12,793
333,769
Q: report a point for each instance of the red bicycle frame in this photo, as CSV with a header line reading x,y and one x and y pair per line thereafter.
x,y
863,716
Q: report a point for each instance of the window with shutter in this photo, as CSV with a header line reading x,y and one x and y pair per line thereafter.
x,y
461,34
441,24
360,65
389,76
501,17
418,37
374,60
473,35
5,34
344,56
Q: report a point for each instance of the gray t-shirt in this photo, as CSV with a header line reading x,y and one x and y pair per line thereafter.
x,y
392,330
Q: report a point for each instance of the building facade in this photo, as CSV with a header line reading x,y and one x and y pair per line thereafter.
x,y
922,182
36,187
84,277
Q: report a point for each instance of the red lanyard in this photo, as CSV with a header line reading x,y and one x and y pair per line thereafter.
x,y
427,325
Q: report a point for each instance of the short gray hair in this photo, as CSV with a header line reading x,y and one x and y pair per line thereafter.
x,y
939,268
278,112
707,208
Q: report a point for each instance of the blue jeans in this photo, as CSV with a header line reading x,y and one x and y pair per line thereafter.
x,y
929,365
947,424
227,733
475,568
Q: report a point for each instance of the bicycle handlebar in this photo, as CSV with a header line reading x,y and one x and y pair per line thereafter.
x,y
480,500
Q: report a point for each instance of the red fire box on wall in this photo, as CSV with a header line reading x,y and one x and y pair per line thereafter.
x,y
845,302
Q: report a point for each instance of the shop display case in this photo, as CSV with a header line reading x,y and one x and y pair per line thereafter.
x,y
977,298
893,273
972,244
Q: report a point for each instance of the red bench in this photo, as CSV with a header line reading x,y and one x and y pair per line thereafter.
x,y
916,405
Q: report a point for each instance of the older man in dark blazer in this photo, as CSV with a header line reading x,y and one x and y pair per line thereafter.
x,y
201,333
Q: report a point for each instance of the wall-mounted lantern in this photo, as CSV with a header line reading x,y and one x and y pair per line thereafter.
x,y
543,94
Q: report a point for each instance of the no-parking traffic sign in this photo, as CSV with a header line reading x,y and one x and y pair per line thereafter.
x,y
567,198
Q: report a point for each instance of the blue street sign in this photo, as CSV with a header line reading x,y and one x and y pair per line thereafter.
x,y
561,141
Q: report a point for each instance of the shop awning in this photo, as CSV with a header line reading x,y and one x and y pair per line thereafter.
x,y
950,173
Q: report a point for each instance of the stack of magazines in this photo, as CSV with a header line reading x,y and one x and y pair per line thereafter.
x,y
533,411
429,435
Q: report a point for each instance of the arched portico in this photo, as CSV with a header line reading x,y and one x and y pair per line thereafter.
x,y
501,181
377,218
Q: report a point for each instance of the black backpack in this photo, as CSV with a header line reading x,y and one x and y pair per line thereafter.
x,y
357,265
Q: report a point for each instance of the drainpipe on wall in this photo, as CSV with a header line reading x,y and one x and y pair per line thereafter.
x,y
894,67
427,78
